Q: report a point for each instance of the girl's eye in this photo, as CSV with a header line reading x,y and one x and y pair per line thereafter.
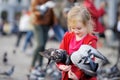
x,y
73,28
78,28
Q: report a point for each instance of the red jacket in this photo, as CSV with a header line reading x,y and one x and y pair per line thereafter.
x,y
95,13
89,39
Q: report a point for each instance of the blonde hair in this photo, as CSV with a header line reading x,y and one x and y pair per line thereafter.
x,y
80,14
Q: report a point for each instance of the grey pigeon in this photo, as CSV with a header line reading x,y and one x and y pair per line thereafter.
x,y
9,72
5,59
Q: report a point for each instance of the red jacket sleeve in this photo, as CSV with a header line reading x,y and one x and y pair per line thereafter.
x,y
93,43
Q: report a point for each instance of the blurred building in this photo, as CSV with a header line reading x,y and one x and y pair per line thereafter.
x,y
11,9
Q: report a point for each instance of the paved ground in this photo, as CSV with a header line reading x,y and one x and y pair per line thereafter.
x,y
22,61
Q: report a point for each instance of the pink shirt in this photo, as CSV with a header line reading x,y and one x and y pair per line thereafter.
x,y
75,45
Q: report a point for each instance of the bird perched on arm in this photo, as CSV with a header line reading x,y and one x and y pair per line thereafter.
x,y
57,55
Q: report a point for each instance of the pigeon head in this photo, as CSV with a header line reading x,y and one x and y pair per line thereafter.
x,y
57,55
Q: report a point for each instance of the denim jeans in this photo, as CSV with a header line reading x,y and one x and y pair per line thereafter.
x,y
29,36
59,32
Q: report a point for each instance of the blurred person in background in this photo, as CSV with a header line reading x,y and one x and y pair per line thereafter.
x,y
118,32
58,30
96,14
60,13
61,9
1,27
25,28
29,34
66,6
42,18
7,28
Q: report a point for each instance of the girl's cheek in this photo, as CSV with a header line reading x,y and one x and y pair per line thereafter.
x,y
76,32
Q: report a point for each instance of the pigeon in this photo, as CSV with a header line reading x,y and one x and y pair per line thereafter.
x,y
5,60
14,51
86,50
9,72
56,55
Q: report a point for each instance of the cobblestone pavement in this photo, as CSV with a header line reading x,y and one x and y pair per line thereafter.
x,y
22,60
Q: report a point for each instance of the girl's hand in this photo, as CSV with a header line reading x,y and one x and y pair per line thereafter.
x,y
71,75
64,67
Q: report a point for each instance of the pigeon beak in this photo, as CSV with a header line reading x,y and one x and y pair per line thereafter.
x,y
49,60
47,53
44,55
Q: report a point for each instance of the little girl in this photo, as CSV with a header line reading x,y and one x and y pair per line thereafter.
x,y
80,32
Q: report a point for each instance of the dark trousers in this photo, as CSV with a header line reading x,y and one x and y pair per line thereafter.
x,y
118,36
19,37
41,36
28,35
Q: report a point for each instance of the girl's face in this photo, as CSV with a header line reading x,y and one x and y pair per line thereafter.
x,y
79,29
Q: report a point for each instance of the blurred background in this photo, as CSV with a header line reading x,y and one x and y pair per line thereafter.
x,y
12,55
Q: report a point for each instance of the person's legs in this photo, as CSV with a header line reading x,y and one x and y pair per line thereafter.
x,y
19,36
44,40
28,39
41,33
119,50
118,36
59,32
